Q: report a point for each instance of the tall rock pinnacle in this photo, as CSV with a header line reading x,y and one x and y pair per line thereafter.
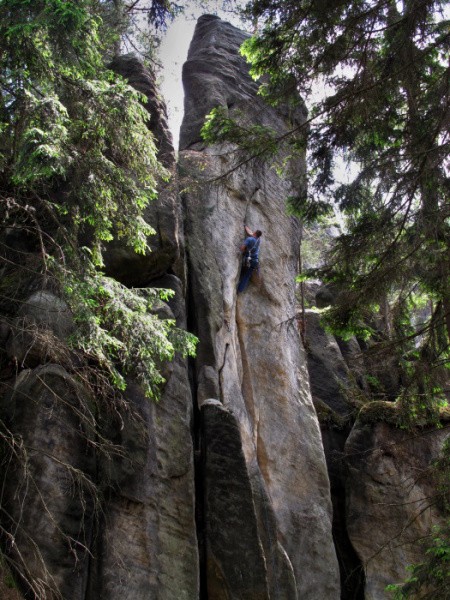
x,y
269,497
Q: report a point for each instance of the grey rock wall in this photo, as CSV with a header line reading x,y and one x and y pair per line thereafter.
x,y
250,357
391,499
330,376
383,479
148,544
235,560
166,246
98,498
103,502
337,385
49,483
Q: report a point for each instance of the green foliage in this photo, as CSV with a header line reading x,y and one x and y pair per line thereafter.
x,y
383,107
442,468
67,119
317,240
79,167
159,12
431,578
121,326
252,138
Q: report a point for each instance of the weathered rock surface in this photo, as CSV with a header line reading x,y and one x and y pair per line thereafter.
x,y
138,539
38,333
337,379
390,494
330,376
99,502
143,80
49,487
235,559
351,568
243,557
250,357
141,542
48,311
164,213
214,75
148,546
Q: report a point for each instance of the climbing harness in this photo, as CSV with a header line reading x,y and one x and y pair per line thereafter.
x,y
251,254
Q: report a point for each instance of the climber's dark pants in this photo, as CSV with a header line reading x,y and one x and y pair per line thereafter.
x,y
246,274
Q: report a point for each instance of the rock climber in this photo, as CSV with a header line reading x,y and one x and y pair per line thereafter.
x,y
250,260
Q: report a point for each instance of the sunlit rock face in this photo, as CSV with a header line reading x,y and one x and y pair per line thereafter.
x,y
251,374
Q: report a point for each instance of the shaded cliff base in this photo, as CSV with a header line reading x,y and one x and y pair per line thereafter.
x,y
383,473
8,587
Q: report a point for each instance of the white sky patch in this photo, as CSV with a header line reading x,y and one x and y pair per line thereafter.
x,y
172,54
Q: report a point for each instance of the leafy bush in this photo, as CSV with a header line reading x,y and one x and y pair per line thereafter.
x,y
79,167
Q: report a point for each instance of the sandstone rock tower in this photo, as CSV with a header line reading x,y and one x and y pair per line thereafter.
x,y
266,502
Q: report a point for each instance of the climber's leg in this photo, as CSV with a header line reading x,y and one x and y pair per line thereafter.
x,y
245,278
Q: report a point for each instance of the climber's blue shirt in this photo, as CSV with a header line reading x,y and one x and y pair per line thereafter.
x,y
252,249
252,245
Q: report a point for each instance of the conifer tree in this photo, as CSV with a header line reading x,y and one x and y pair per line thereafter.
x,y
384,105
78,166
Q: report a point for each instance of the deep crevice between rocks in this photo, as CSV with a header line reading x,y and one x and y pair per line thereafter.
x,y
246,387
196,441
225,353
350,567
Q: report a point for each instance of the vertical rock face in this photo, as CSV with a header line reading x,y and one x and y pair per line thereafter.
x,y
383,479
163,214
329,373
250,357
148,544
337,379
98,501
391,496
100,504
48,490
138,76
236,565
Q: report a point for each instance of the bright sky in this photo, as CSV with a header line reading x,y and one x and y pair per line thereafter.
x,y
173,53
